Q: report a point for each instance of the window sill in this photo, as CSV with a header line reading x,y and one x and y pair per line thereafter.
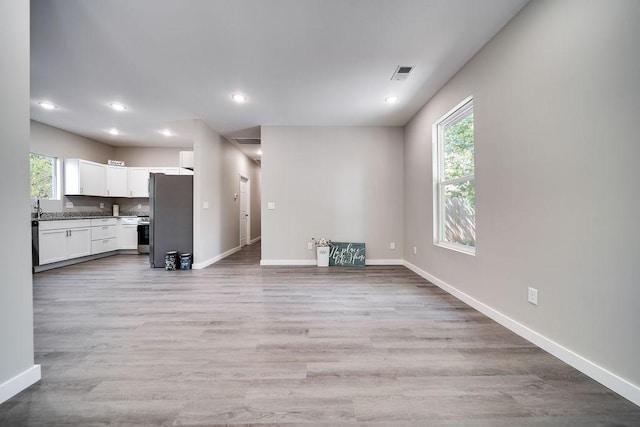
x,y
457,248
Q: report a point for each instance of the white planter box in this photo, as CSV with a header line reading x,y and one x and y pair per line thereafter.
x,y
323,255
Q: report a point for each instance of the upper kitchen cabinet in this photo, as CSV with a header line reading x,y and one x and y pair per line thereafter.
x,y
138,182
116,181
85,178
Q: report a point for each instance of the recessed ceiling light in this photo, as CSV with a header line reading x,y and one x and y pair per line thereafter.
x,y
117,106
47,105
113,131
166,132
391,99
259,152
239,97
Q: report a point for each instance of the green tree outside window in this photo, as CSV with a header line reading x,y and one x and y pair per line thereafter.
x,y
43,176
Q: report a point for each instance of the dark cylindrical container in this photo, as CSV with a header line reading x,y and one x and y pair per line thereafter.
x,y
170,260
185,262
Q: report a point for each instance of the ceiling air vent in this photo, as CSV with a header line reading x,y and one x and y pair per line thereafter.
x,y
402,72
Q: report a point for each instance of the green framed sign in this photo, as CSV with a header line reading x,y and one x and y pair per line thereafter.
x,y
347,254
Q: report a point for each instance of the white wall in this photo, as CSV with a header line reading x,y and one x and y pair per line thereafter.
x,y
17,369
255,218
557,101
149,156
218,166
51,141
234,164
343,183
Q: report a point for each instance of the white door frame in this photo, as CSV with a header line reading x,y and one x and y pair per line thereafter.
x,y
248,205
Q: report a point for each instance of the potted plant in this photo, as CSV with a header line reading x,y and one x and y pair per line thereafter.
x,y
323,247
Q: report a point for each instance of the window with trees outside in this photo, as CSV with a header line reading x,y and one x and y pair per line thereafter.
x,y
44,176
455,195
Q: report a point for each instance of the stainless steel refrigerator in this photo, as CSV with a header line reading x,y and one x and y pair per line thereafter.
x,y
170,216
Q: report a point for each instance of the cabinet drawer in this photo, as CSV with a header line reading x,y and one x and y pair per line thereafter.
x,y
103,221
104,232
63,224
104,245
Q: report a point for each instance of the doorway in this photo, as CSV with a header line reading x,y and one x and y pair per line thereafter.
x,y
245,224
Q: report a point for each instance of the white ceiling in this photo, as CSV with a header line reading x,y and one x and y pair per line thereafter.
x,y
299,62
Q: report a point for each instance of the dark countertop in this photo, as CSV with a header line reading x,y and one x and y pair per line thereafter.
x,y
65,218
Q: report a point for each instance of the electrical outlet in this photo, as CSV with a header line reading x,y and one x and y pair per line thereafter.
x,y
68,205
532,295
101,205
415,250
392,245
139,205
309,245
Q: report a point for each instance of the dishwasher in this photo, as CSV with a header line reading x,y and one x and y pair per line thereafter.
x,y
35,257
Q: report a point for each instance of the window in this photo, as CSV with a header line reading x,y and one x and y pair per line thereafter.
x,y
44,176
455,195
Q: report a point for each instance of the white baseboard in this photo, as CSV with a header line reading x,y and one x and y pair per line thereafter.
x,y
603,376
297,262
15,385
290,262
252,241
203,264
384,262
66,262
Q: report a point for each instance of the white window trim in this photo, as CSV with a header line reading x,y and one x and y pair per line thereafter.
x,y
438,165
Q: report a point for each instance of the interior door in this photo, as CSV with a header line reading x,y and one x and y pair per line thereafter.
x,y
244,213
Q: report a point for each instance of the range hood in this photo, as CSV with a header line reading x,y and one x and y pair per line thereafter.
x,y
186,159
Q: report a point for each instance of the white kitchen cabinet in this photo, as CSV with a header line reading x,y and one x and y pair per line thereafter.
x,y
62,240
85,178
127,233
138,182
186,159
82,177
104,245
78,242
52,245
116,181
104,235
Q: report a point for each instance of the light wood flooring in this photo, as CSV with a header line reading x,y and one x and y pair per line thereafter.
x,y
239,344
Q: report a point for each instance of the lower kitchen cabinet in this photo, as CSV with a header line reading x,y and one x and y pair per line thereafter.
x,y
52,245
104,235
78,242
128,233
62,240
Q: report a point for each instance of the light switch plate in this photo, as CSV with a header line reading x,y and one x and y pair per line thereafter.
x,y
205,205
271,205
